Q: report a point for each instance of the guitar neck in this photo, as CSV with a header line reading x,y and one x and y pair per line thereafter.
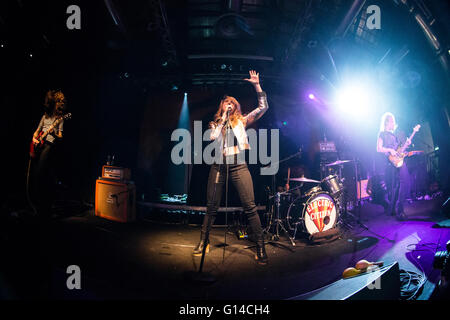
x,y
410,138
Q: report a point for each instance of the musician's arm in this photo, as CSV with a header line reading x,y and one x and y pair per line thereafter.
x,y
257,113
39,128
58,131
262,99
216,127
35,135
382,149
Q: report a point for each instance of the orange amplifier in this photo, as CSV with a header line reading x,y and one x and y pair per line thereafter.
x,y
115,200
361,189
116,173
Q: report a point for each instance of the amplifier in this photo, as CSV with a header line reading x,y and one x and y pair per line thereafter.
x,y
116,173
327,146
361,189
115,200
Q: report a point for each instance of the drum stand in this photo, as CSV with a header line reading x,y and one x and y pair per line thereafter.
x,y
277,222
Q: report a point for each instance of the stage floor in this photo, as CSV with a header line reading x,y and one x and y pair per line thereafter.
x,y
151,259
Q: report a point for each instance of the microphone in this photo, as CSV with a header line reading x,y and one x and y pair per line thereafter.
x,y
228,113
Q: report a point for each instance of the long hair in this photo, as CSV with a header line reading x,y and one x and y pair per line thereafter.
x,y
50,103
235,115
384,119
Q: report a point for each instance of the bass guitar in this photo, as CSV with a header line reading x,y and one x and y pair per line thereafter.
x,y
34,147
397,160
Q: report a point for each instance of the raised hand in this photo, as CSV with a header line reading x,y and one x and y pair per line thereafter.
x,y
254,77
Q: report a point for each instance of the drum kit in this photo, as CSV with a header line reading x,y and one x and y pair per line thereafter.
x,y
312,207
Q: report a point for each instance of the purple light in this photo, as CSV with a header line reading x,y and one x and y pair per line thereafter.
x,y
311,96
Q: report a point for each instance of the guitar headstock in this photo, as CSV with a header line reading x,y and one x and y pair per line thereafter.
x,y
416,128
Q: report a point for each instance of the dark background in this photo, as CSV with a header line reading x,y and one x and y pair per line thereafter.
x,y
125,82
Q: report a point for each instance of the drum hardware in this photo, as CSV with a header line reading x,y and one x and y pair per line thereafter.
x,y
333,185
337,163
277,223
303,179
313,190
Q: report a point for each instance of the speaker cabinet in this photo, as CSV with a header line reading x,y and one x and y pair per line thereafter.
x,y
383,284
115,200
361,190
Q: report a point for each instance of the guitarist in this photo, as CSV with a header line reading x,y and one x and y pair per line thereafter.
x,y
54,107
397,179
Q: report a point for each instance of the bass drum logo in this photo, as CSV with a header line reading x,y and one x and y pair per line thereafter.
x,y
320,213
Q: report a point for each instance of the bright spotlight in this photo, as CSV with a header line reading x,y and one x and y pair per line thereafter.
x,y
311,96
355,99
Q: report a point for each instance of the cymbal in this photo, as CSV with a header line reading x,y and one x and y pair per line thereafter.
x,y
303,180
337,163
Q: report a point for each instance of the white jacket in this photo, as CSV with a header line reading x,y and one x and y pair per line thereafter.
x,y
239,128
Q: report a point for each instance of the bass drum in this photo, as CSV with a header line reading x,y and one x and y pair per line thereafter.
x,y
316,213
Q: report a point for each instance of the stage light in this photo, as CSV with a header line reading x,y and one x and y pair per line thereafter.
x,y
284,123
356,99
175,182
31,56
311,96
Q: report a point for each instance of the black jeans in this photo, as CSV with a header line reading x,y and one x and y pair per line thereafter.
x,y
44,178
398,186
239,175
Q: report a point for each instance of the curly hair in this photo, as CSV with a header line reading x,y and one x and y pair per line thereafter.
x,y
54,103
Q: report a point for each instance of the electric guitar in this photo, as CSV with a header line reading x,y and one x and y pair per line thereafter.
x,y
398,159
34,147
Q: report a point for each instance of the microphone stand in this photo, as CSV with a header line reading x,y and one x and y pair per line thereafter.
x,y
200,276
227,127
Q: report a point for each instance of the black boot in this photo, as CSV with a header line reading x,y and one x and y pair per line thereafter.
x,y
198,251
400,213
261,256
400,216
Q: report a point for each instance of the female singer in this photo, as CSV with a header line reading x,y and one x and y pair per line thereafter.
x,y
229,115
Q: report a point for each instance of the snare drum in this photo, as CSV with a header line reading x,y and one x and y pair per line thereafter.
x,y
313,190
332,185
316,213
